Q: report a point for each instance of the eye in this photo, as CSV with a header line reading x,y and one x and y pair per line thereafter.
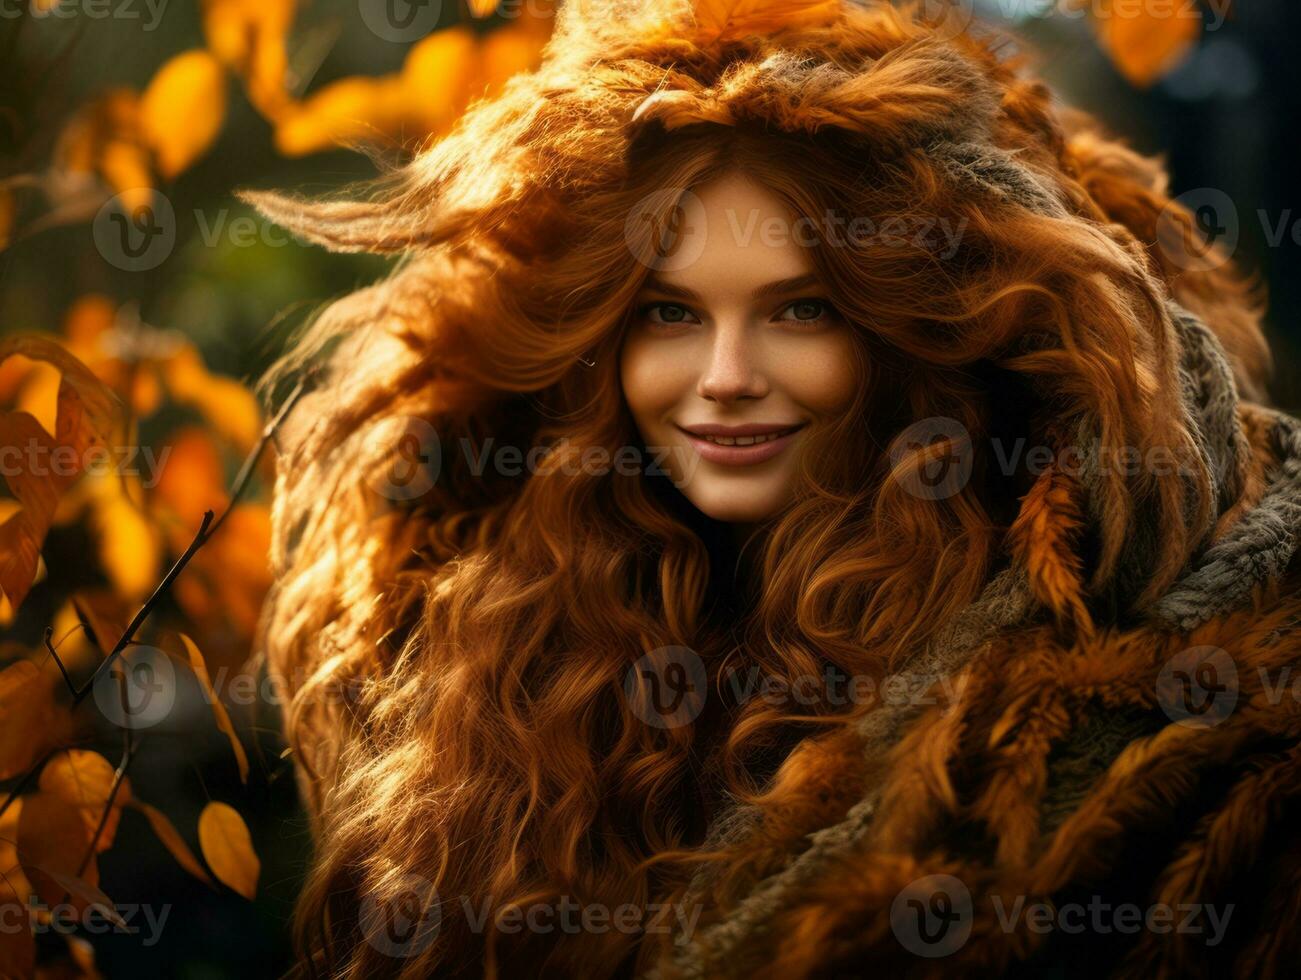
x,y
808,310
666,314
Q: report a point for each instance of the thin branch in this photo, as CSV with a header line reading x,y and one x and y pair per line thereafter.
x,y
163,587
49,645
129,747
206,531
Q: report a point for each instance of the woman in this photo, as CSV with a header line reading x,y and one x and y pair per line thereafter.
x,y
795,510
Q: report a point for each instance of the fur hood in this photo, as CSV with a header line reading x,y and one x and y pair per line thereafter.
x,y
1043,793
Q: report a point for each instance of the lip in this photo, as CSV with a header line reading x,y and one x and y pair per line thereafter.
x,y
739,455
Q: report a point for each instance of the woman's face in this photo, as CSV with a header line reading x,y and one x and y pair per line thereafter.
x,y
733,354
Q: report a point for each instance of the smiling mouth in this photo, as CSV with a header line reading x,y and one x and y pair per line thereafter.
x,y
743,440
741,448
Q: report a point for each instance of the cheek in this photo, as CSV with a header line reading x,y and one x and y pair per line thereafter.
x,y
822,375
651,377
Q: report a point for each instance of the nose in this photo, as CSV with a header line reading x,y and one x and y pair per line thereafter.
x,y
733,370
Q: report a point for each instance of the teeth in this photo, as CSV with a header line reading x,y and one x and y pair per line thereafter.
x,y
743,440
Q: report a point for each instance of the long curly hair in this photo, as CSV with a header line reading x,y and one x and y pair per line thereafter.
x,y
458,660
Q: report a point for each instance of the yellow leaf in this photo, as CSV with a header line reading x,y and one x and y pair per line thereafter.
x,y
39,395
125,165
182,109
228,848
482,8
346,111
172,840
1146,42
229,407
200,668
249,36
130,549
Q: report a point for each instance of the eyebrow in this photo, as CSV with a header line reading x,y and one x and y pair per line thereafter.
x,y
778,287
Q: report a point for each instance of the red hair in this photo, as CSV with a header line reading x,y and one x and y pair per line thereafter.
x,y
458,660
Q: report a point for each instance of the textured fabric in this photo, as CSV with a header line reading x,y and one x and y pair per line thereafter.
x,y
1068,775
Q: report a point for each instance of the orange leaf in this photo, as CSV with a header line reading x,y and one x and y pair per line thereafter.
x,y
1145,42
53,840
249,36
172,840
182,109
191,482
200,668
228,406
228,848
85,781
31,723
130,550
87,416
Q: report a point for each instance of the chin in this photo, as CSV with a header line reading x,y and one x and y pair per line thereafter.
x,y
733,508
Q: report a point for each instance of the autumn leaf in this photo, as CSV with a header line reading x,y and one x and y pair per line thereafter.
x,y
14,886
88,414
17,946
104,138
192,481
182,109
441,75
1143,41
129,545
194,658
33,721
228,848
172,840
249,37
227,405
84,781
53,841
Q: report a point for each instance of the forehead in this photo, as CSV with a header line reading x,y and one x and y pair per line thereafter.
x,y
737,235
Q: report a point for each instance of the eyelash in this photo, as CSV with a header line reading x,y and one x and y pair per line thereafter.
x,y
828,311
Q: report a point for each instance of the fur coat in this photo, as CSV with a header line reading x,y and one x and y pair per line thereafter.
x,y
1044,796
